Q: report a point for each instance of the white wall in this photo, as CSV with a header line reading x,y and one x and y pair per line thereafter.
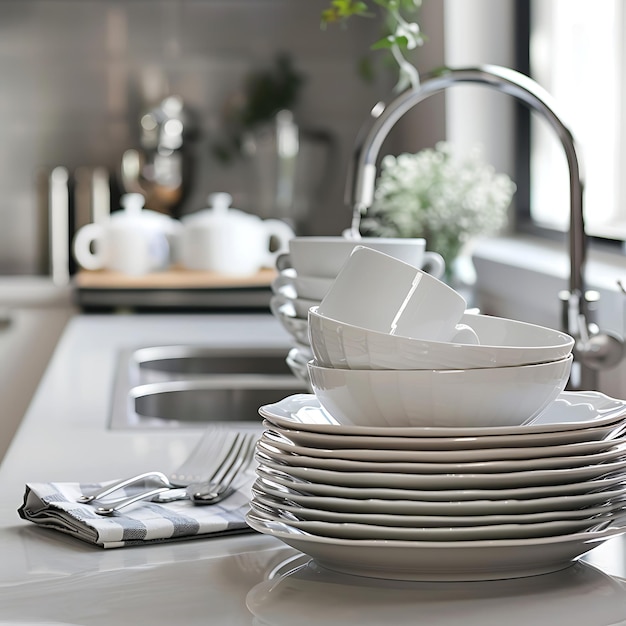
x,y
77,74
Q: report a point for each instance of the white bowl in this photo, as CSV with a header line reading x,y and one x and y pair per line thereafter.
x,y
297,327
297,361
297,307
299,286
503,343
500,396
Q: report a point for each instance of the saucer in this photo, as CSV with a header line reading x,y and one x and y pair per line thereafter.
x,y
493,481
404,506
571,411
383,517
489,532
437,495
508,445
391,464
438,560
285,440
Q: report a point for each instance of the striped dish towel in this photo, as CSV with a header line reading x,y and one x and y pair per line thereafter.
x,y
53,505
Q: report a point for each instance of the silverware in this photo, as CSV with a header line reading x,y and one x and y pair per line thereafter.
x,y
219,486
107,491
193,480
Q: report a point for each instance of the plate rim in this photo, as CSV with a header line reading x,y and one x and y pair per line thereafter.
x,y
310,401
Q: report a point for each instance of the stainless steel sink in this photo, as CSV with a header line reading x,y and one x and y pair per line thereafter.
x,y
189,386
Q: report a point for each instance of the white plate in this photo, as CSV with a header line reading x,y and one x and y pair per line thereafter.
x,y
266,446
530,478
306,513
438,560
572,410
347,530
436,495
279,438
566,504
507,444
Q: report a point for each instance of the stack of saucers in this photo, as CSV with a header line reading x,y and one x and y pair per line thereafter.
x,y
422,503
436,444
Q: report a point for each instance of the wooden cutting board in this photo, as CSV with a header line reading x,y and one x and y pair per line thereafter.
x,y
171,279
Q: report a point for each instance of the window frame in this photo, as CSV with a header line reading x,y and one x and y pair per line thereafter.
x,y
522,217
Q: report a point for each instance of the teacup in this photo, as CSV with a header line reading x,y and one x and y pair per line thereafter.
x,y
378,292
133,241
324,256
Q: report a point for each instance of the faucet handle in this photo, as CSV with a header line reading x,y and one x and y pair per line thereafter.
x,y
601,351
576,304
595,349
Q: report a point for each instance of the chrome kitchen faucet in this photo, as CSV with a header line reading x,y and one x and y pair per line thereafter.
x,y
594,350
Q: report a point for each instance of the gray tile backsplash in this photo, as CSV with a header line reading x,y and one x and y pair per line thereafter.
x,y
75,75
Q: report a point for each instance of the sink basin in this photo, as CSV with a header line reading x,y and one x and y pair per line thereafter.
x,y
190,386
182,362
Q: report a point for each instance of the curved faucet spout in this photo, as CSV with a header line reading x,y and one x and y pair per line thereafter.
x,y
362,176
593,351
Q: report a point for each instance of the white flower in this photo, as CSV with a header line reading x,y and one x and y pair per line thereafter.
x,y
436,195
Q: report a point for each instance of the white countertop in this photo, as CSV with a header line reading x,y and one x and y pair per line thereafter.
x,y
46,577
37,291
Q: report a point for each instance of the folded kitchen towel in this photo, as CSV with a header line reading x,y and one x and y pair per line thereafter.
x,y
54,505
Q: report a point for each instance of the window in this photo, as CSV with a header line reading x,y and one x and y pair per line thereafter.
x,y
576,51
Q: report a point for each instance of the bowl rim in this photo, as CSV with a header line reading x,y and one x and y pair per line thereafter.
x,y
568,340
312,364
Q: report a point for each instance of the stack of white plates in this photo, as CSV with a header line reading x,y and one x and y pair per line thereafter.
x,y
428,503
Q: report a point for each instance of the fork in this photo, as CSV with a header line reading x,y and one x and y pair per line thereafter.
x,y
193,468
188,481
217,488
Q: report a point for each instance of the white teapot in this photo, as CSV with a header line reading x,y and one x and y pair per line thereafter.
x,y
229,241
132,241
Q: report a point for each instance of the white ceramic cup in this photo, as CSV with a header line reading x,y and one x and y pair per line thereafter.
x,y
132,241
324,256
129,249
376,291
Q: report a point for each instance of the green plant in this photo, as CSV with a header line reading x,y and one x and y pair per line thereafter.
x,y
265,92
402,32
437,195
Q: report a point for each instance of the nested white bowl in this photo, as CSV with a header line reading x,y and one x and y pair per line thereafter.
x,y
503,343
297,360
284,312
294,285
499,396
296,307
